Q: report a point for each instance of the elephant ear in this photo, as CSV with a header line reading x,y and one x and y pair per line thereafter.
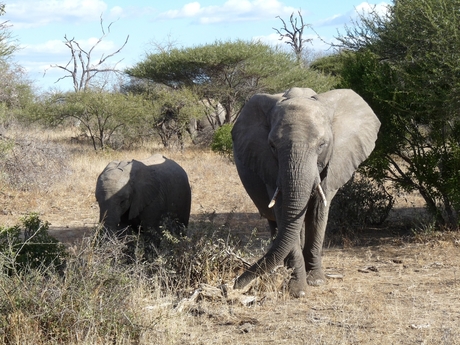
x,y
355,128
144,184
250,137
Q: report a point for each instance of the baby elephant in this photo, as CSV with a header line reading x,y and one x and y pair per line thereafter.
x,y
142,193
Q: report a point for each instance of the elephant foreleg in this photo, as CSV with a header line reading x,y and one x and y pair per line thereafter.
x,y
297,283
315,228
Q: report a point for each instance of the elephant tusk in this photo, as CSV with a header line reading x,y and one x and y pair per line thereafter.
x,y
321,193
272,202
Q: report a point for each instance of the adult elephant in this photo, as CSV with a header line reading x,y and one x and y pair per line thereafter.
x,y
202,129
143,192
293,151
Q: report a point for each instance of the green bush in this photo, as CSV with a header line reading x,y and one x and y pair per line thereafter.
x,y
222,140
29,246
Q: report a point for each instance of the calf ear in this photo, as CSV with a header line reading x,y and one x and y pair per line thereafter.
x,y
144,187
355,128
250,137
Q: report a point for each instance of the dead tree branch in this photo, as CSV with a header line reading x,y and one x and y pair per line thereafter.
x,y
294,35
80,67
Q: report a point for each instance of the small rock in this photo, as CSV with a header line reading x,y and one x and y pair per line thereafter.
x,y
414,326
246,327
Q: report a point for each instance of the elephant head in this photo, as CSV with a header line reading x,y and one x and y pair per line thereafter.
x,y
123,190
297,149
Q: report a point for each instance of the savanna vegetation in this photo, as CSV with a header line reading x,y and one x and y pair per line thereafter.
x,y
404,63
392,242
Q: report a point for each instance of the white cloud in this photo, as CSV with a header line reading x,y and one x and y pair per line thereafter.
x,y
49,47
230,11
362,9
190,10
116,12
29,13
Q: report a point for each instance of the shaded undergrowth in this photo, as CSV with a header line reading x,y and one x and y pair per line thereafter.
x,y
95,297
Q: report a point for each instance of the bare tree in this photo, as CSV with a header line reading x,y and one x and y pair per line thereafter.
x,y
80,66
164,46
294,35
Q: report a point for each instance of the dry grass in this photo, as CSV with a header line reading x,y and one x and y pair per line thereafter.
x,y
394,290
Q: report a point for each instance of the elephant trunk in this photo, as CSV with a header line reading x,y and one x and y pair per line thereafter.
x,y
108,217
296,181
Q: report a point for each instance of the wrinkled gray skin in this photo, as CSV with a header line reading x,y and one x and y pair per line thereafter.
x,y
295,141
140,193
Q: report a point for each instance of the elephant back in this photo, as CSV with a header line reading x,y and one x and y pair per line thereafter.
x,y
163,180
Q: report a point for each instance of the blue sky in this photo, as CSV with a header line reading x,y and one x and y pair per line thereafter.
x,y
40,26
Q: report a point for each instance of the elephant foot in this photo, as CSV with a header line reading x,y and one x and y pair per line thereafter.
x,y
297,288
316,277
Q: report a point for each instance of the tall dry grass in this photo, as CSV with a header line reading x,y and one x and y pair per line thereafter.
x,y
394,291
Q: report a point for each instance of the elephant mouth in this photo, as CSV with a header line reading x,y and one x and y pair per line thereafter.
x,y
318,188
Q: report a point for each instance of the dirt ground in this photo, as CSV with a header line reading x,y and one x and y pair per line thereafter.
x,y
390,289
390,294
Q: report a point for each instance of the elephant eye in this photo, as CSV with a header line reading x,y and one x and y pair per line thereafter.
x,y
322,146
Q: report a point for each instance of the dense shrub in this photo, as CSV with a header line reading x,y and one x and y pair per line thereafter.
x,y
29,246
89,301
101,299
32,163
222,140
212,260
404,62
360,203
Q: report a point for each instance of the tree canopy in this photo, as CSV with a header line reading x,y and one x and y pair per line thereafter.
x,y
15,89
229,72
406,64
107,119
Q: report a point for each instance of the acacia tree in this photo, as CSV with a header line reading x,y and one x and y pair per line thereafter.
x,y
101,116
81,68
405,64
228,72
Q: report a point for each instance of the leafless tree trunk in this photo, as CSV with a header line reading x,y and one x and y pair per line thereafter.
x,y
80,66
294,35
